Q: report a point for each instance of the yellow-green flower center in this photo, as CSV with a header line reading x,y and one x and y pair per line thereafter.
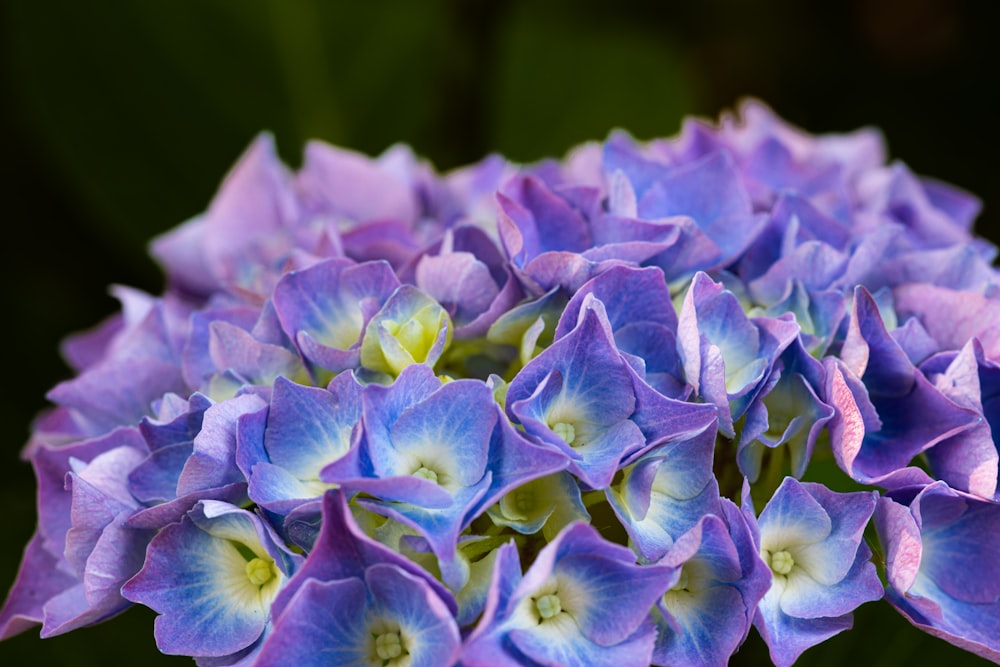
x,y
565,431
548,606
413,336
388,646
782,562
423,472
260,570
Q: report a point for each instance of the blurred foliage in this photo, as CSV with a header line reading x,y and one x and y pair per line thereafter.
x,y
120,119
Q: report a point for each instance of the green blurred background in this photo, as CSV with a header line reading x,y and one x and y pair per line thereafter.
x,y
120,118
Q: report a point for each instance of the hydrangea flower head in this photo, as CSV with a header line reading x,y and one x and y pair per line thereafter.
x,y
504,415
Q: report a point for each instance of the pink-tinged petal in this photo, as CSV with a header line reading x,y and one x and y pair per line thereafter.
x,y
847,427
351,185
900,536
940,553
968,315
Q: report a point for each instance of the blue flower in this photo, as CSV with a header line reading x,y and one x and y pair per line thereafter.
x,y
388,617
568,607
707,612
212,578
433,456
307,429
811,538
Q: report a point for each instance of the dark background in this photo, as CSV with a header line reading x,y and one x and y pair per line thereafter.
x,y
120,118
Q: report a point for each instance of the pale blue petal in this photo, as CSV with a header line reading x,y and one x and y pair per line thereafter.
x,y
792,518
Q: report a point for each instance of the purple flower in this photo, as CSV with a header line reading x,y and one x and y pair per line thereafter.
x,y
665,492
561,234
582,398
82,550
241,230
970,315
140,364
789,412
307,428
705,196
887,411
968,461
468,276
351,591
376,199
642,319
387,617
577,397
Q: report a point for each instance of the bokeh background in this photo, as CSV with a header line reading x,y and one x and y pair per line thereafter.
x,y
120,118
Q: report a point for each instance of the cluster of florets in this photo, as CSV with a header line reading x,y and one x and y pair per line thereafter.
x,y
522,415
